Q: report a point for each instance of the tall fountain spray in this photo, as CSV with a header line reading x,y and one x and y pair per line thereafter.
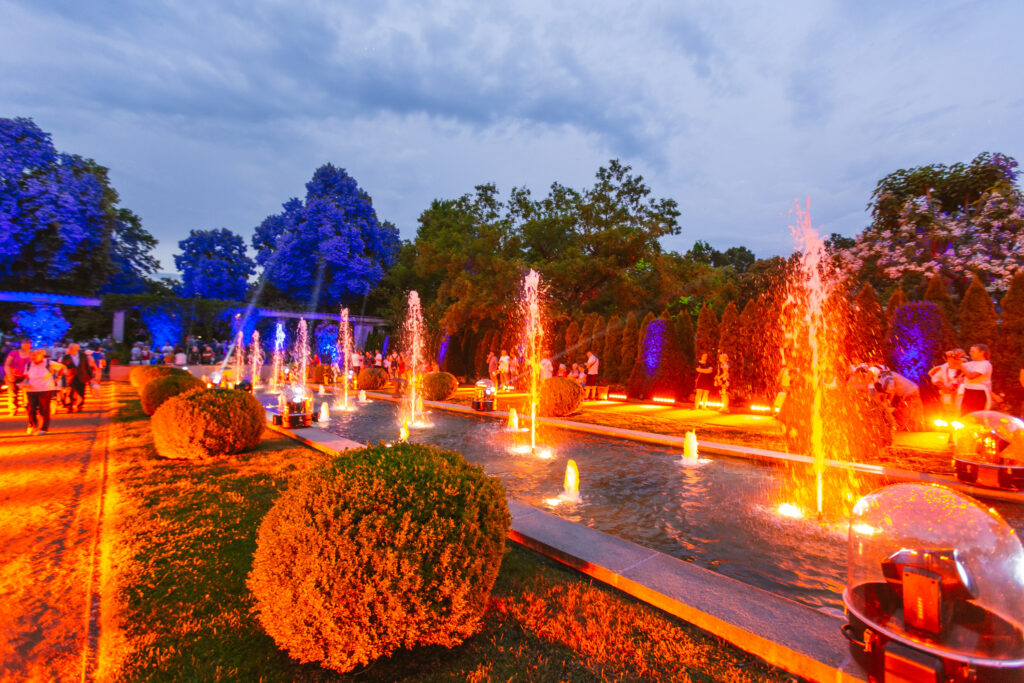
x,y
823,417
302,351
256,359
278,358
414,349
345,349
239,358
529,303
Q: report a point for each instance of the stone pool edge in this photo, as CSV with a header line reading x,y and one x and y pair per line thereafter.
x,y
799,639
735,451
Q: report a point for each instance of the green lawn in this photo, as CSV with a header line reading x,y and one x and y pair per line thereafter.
x,y
185,538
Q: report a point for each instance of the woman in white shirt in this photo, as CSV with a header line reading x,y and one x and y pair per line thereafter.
x,y
977,386
39,388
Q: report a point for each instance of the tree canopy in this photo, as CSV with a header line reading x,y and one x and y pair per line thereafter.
x,y
214,265
60,226
328,248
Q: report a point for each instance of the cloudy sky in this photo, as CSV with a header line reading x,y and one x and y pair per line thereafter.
x,y
211,114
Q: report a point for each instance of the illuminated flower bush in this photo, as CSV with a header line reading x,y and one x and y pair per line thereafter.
x,y
918,336
382,548
439,386
202,424
44,325
372,378
140,375
559,397
156,392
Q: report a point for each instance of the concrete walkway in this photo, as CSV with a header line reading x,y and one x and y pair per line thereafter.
x,y
51,495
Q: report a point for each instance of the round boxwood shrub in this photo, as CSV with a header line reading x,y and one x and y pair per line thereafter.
x,y
559,396
439,386
154,392
372,378
205,423
382,548
140,374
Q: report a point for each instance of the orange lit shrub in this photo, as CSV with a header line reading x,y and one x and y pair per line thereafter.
x,y
140,374
156,391
439,386
200,424
382,548
372,378
559,396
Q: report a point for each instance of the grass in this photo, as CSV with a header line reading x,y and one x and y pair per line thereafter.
x,y
185,538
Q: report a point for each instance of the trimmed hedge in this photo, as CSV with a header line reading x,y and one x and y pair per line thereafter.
x,y
439,386
156,391
372,378
559,396
206,423
141,374
382,548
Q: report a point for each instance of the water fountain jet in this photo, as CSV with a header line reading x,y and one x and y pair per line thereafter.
x,y
278,358
256,360
533,328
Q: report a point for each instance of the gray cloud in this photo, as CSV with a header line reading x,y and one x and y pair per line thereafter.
x,y
212,114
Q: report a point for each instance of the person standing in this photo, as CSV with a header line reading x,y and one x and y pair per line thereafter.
x,y
592,365
80,370
977,385
503,366
722,380
39,388
704,382
492,367
547,369
15,366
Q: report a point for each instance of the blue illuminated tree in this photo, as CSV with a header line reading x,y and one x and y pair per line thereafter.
x,y
918,336
60,226
328,248
214,265
165,324
44,325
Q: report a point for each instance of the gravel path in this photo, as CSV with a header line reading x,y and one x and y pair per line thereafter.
x,y
51,493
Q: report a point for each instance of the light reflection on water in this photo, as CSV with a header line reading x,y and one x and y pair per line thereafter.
x,y
720,515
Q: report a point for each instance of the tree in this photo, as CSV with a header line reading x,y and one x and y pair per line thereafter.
x,y
867,341
897,300
731,343
60,226
917,339
687,349
630,342
938,294
329,248
611,346
978,319
572,340
44,325
586,336
955,221
214,265
1009,356
597,341
707,333
646,358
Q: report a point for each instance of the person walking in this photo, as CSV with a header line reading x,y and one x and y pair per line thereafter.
x,y
39,388
547,369
704,382
593,365
977,386
80,370
15,365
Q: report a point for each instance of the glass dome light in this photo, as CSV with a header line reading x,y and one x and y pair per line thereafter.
x,y
935,570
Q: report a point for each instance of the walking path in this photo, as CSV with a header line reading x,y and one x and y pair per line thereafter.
x,y
51,496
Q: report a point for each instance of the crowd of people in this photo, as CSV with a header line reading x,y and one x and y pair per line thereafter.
x,y
35,377
510,372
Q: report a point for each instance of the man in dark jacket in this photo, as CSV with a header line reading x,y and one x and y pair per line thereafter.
x,y
80,371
